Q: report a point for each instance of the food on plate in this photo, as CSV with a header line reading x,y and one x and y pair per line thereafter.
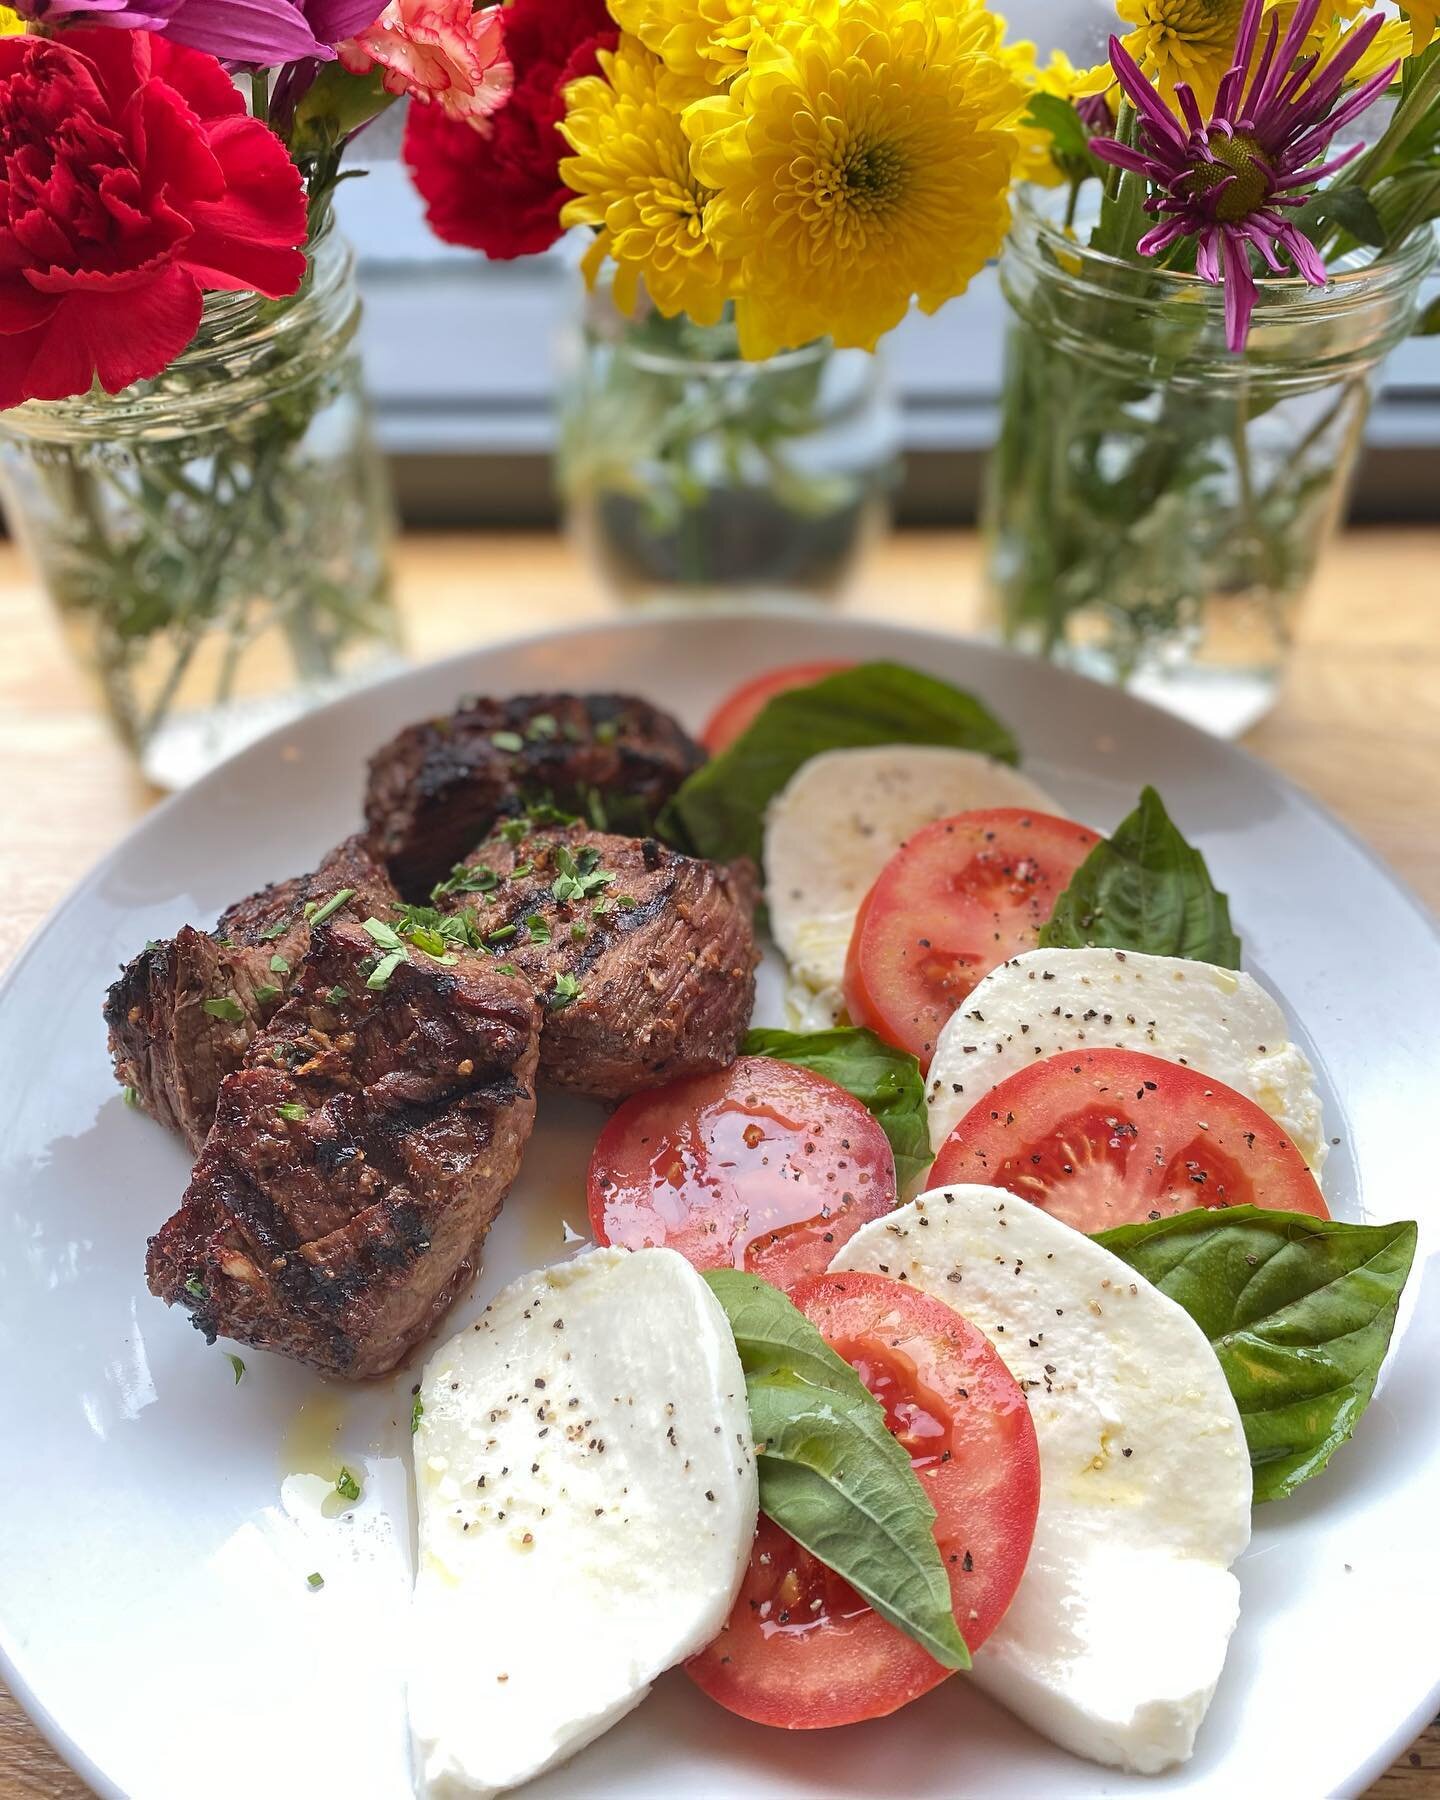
x,y
738,711
643,959
839,820
961,895
587,1497
1117,1634
357,1158
1219,1021
801,1648
719,811
1099,1138
185,1010
437,789
760,1166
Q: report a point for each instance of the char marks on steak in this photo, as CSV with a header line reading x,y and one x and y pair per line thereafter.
x,y
643,959
357,1159
166,1046
437,789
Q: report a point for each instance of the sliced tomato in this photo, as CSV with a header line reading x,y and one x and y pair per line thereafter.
x,y
739,710
761,1166
1114,1137
801,1649
955,901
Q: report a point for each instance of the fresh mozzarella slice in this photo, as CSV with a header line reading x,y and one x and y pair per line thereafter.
x,y
587,1497
1218,1021
842,817
1115,1639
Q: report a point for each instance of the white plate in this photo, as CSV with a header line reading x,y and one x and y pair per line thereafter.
x,y
155,1543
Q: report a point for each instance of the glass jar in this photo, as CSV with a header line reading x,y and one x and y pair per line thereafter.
x,y
1155,505
691,476
216,540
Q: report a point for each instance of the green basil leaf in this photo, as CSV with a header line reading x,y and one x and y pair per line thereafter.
x,y
886,1081
830,1472
774,1338
843,1488
1299,1311
720,811
1145,889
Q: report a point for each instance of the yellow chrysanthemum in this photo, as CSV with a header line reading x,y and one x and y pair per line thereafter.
x,y
632,177
706,41
1424,17
857,163
10,22
1061,78
1194,40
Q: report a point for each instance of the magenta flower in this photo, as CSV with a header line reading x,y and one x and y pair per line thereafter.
x,y
1228,182
258,33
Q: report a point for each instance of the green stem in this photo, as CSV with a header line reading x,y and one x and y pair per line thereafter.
x,y
260,95
1072,205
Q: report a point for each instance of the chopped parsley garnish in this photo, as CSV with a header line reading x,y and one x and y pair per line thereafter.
x,y
435,933
331,906
417,1413
626,902
595,807
515,831
278,965
315,1582
565,993
521,870
507,740
236,1364
266,992
578,930
507,968
292,1109
501,934
346,1486
384,935
271,932
227,1009
337,994
379,977
542,727
607,731
580,877
466,880
195,1287
538,929
130,1095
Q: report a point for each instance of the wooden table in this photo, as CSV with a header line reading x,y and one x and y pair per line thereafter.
x,y
1358,724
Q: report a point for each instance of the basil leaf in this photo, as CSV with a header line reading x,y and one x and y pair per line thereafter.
x,y
830,1472
720,811
854,1502
1145,889
1299,1311
884,1080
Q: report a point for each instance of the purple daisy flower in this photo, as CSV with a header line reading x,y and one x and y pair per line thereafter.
x,y
259,33
1229,181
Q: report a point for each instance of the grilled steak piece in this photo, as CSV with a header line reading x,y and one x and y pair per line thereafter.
x,y
643,959
436,790
357,1159
184,1011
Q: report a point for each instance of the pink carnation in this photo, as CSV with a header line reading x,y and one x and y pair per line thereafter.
x,y
437,51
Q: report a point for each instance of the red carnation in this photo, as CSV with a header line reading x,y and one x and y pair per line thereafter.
x,y
132,180
501,191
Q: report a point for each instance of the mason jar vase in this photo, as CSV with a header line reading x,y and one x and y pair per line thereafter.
x,y
216,540
691,477
1156,505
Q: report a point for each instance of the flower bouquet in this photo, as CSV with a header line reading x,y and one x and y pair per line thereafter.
x,y
183,435
1205,281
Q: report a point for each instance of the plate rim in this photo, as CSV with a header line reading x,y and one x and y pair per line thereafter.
x,y
1146,711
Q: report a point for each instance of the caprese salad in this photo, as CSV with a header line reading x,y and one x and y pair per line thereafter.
x,y
951,1332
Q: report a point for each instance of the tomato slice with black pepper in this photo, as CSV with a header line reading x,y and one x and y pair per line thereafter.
x,y
955,901
1114,1137
740,709
761,1166
801,1649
